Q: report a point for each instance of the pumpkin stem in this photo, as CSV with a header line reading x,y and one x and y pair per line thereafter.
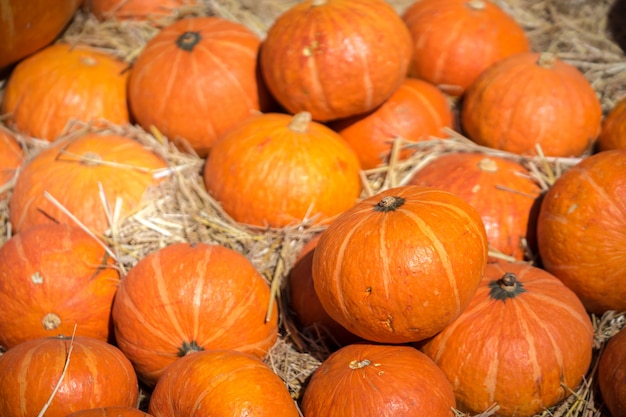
x,y
188,40
389,203
488,165
359,364
189,347
506,287
546,60
300,122
476,4
51,321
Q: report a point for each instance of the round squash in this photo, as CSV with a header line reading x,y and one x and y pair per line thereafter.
x,y
335,58
529,100
501,190
401,265
89,373
378,381
11,158
221,383
524,343
141,10
454,41
54,277
110,412
62,83
185,298
196,79
613,133
581,230
612,374
277,170
73,170
414,112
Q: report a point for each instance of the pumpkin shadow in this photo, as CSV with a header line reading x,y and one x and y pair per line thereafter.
x,y
616,21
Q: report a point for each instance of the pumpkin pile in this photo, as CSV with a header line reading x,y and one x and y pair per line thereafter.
x,y
352,208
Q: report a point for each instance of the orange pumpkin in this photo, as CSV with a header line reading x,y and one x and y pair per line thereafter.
x,y
11,158
185,298
581,230
62,83
277,170
369,380
612,374
150,10
523,343
613,132
54,277
501,190
221,383
414,112
529,100
110,412
27,26
454,41
401,265
197,78
97,375
335,58
73,171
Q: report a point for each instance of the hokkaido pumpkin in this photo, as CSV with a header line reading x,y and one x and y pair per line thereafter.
x,y
54,277
401,265
78,172
368,380
11,158
454,41
529,100
416,111
335,58
110,412
612,374
523,343
196,79
185,298
221,383
581,230
613,133
277,170
62,83
150,10
89,373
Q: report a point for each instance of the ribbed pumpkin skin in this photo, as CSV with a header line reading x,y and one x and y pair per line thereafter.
x,y
62,83
49,270
402,275
278,170
612,374
70,172
369,380
415,111
455,40
335,58
198,90
221,383
11,158
613,133
500,189
98,375
110,412
187,297
581,230
134,9
527,100
516,352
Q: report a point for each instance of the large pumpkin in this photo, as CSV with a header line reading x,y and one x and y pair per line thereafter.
x,y
454,41
89,373
118,411
62,83
197,78
277,170
335,58
368,380
401,265
11,158
529,100
189,297
54,277
150,10
613,132
581,230
85,174
523,343
221,383
612,374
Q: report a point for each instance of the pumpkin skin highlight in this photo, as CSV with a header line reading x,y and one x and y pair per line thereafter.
x,y
612,374
110,412
516,343
613,133
335,58
400,265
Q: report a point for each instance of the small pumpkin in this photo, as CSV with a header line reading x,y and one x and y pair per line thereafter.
x,y
196,79
612,374
221,383
414,112
11,159
89,373
335,58
134,10
185,298
110,412
401,265
62,83
378,381
524,343
581,230
613,132
278,170
529,100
